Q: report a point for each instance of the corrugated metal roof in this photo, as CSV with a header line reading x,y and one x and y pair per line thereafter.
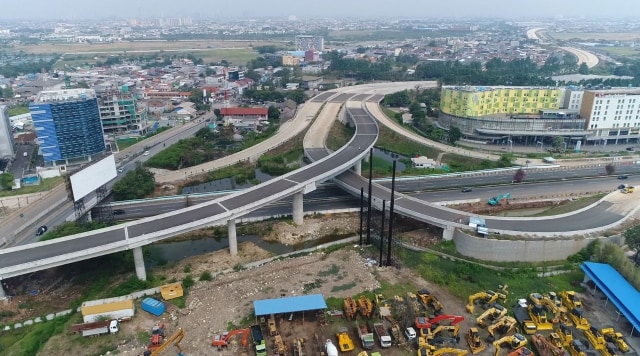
x,y
289,304
243,111
621,293
105,308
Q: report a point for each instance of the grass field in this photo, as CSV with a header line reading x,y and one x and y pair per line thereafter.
x,y
587,36
621,51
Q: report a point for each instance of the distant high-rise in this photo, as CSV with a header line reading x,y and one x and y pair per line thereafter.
x,y
68,126
7,144
309,43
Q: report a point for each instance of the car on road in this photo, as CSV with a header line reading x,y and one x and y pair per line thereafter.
x,y
146,153
622,186
466,190
118,212
41,230
631,149
623,176
120,170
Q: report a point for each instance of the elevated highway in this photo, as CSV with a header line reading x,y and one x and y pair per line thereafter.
x,y
132,235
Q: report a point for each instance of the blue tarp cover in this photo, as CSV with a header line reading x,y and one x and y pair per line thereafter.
x,y
622,294
289,304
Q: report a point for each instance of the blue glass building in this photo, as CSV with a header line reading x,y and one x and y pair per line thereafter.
x,y
68,126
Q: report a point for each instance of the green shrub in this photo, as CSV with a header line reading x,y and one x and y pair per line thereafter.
x,y
206,276
188,281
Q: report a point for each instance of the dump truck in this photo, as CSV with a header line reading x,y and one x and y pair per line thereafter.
x,y
523,318
258,340
366,336
97,328
344,340
383,335
479,225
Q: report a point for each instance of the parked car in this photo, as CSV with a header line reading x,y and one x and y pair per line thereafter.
x,y
120,170
623,176
41,230
466,190
622,186
146,153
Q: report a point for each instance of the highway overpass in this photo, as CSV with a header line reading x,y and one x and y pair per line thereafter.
x,y
132,235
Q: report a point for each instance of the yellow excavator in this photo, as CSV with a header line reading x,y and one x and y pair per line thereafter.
x,y
613,336
433,351
570,300
495,312
473,340
514,341
565,334
504,325
579,320
174,339
487,297
429,300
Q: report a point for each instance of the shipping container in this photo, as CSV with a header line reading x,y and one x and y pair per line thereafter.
x,y
153,306
113,310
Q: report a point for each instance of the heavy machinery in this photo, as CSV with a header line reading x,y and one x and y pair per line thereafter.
x,y
271,325
429,334
579,320
223,340
565,334
610,349
495,312
493,201
298,346
174,339
523,351
350,308
445,319
539,317
365,307
412,302
596,339
503,326
344,340
473,340
430,350
576,348
158,332
570,300
627,190
612,336
545,346
487,297
524,319
514,341
330,348
279,346
535,298
430,301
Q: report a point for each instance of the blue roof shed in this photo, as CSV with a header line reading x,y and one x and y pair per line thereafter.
x,y
617,289
289,304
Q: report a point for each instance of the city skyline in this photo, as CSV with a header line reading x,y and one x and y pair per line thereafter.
x,y
78,10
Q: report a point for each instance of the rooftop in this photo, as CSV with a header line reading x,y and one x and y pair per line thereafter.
x,y
289,304
243,111
64,95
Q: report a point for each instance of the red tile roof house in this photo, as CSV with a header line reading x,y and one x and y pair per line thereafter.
x,y
249,118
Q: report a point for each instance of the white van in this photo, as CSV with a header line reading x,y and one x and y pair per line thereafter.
x,y
25,154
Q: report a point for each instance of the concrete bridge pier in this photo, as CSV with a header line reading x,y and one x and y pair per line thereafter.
x,y
358,168
298,209
138,260
233,238
3,294
447,233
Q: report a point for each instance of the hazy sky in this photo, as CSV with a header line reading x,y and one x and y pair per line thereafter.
x,y
78,9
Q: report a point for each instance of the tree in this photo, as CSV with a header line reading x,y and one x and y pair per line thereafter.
x,y
583,69
610,169
519,176
273,113
632,239
297,95
6,181
136,184
454,134
217,113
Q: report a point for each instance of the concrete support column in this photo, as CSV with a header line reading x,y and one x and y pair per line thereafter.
x,y
3,294
233,238
358,168
138,260
447,233
298,209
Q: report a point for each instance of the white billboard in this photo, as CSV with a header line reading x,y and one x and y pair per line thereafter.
x,y
93,177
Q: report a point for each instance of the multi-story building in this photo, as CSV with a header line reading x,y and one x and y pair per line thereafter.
x,y
120,114
7,144
613,115
68,126
309,43
290,61
573,98
524,115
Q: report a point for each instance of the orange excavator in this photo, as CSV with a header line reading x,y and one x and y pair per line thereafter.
x,y
223,339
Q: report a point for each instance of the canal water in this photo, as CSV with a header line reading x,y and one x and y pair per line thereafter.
x,y
162,253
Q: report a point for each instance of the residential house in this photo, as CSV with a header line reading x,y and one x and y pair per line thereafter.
x,y
310,82
245,118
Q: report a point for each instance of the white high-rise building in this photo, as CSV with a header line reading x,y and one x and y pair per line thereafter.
x,y
309,43
7,144
613,115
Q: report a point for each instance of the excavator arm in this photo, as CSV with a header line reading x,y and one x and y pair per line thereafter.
x,y
176,338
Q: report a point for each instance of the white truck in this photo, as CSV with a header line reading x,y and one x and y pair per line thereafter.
x,y
366,336
330,348
479,225
97,328
383,335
